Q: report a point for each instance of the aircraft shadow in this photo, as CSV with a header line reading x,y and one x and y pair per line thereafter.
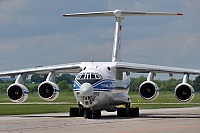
x,y
170,116
143,115
44,116
154,115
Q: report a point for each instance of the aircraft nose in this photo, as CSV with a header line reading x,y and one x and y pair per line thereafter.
x,y
86,89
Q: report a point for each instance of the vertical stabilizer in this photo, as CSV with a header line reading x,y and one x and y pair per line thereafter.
x,y
119,15
117,41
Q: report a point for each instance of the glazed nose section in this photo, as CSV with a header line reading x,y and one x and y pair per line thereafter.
x,y
86,89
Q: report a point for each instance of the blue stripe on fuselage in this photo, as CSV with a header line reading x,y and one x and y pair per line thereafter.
x,y
105,85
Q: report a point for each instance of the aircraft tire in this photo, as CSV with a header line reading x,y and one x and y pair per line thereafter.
x,y
87,114
131,112
134,112
74,112
121,112
137,112
97,114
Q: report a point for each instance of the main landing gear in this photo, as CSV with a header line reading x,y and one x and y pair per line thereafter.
x,y
128,111
88,114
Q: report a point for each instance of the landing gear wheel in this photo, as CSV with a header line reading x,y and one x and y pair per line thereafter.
x,y
137,112
97,114
134,112
121,112
87,114
128,111
74,112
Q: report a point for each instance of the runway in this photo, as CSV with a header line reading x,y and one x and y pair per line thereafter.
x,y
180,120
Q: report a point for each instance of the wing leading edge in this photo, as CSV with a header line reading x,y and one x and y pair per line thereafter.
x,y
62,68
145,68
122,66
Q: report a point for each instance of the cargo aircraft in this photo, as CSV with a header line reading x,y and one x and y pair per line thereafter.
x,y
102,85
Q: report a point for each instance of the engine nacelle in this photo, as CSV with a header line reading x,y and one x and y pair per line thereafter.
x,y
48,90
184,92
17,92
148,90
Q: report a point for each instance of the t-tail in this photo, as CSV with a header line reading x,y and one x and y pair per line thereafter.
x,y
119,15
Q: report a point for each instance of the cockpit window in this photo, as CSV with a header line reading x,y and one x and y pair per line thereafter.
x,y
89,77
92,76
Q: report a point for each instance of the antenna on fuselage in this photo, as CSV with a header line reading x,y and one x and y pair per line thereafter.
x,y
119,15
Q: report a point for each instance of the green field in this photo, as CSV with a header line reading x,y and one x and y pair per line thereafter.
x,y
67,100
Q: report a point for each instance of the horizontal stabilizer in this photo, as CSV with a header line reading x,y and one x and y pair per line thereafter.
x,y
121,14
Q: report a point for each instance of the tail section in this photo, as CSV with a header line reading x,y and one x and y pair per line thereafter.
x,y
119,15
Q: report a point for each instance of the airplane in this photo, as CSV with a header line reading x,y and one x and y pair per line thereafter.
x,y
102,85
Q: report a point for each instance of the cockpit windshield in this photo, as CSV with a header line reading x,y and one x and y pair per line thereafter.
x,y
89,77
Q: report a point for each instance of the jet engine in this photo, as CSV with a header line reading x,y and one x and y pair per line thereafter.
x,y
48,90
184,92
17,92
148,90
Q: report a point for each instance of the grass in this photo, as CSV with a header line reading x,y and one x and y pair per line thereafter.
x,y
68,97
16,109
64,96
164,100
164,97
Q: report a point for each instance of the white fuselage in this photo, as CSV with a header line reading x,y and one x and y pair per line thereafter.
x,y
110,87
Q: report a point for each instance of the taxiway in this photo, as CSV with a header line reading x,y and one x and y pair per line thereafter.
x,y
181,120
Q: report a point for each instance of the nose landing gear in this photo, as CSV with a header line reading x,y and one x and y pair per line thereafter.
x,y
84,112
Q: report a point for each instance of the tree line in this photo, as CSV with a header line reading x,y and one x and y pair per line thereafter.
x,y
65,82
164,85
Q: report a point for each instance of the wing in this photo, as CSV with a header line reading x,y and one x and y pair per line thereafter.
x,y
145,68
62,68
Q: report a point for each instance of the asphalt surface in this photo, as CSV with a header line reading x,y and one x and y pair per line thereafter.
x,y
178,120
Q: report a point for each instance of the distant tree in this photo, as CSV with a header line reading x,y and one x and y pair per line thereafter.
x,y
197,84
63,85
135,83
69,78
170,84
33,88
37,78
3,87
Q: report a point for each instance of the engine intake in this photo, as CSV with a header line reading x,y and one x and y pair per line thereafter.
x,y
184,92
48,90
148,90
17,92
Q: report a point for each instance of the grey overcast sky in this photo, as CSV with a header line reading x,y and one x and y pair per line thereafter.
x,y
34,32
